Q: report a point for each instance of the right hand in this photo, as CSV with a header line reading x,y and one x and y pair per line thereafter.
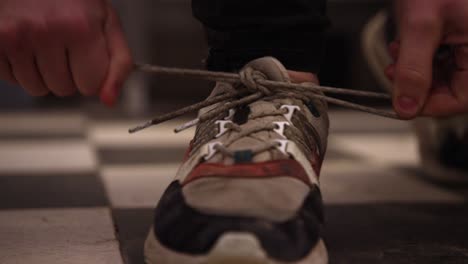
x,y
63,46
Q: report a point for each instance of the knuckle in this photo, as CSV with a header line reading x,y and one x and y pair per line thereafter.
x,y
19,33
10,33
422,23
77,25
412,76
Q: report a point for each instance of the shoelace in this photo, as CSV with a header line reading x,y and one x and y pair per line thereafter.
x,y
253,86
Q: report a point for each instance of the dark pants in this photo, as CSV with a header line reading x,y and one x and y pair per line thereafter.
x,y
241,30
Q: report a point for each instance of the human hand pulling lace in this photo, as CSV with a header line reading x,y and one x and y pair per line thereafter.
x,y
422,87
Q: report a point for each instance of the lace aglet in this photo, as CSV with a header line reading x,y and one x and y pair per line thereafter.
x,y
187,125
140,127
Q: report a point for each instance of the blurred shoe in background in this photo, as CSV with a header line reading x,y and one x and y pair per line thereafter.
x,y
443,142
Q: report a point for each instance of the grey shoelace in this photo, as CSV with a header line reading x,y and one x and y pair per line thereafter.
x,y
254,87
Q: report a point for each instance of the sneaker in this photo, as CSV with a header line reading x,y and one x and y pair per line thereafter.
x,y
443,145
248,190
443,142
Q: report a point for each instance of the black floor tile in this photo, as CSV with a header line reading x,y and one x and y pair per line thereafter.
x,y
458,187
398,233
53,191
131,156
132,227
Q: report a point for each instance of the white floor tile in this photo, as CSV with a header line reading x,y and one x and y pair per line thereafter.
x,y
41,157
352,182
115,135
137,186
49,123
359,122
382,149
75,236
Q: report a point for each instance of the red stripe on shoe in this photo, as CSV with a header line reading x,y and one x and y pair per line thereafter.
x,y
316,162
269,169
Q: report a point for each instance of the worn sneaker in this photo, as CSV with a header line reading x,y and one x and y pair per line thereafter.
x,y
248,191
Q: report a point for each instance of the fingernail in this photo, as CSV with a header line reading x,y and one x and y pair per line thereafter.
x,y
408,105
109,98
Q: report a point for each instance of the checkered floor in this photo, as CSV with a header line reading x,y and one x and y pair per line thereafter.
x,y
74,189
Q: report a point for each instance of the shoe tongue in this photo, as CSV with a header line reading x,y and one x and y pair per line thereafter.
x,y
271,67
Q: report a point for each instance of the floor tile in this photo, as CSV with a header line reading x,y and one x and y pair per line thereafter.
x,y
137,186
43,157
351,183
115,134
360,122
133,226
411,233
42,125
380,149
52,191
72,236
142,155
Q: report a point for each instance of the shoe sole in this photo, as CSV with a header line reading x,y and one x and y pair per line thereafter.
x,y
231,248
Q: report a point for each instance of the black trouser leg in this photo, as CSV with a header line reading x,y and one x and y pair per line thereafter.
x,y
242,30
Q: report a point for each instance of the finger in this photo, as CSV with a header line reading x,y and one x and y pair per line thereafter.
x,y
6,72
89,61
459,83
390,72
25,71
121,62
461,57
53,65
394,50
413,74
442,102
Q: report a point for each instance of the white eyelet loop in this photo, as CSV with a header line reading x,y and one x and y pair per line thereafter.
x,y
222,127
280,126
212,150
291,109
231,114
282,146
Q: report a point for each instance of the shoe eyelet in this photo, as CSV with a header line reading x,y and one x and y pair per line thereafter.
x,y
280,127
212,150
222,127
231,114
282,146
290,111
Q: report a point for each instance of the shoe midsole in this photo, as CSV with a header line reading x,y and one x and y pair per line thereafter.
x,y
230,248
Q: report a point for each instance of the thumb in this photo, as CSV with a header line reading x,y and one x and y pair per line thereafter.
x,y
121,62
413,72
